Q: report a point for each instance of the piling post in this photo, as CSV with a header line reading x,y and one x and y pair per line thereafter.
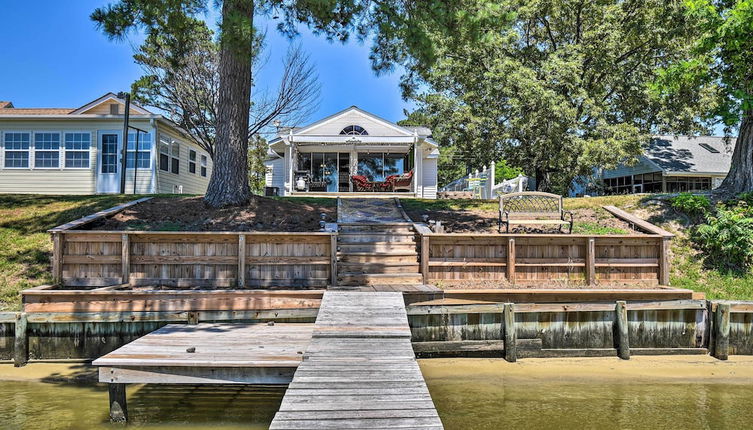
x,y
509,333
621,330
21,345
510,260
118,405
241,260
721,331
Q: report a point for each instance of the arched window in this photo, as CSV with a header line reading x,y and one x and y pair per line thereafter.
x,y
354,130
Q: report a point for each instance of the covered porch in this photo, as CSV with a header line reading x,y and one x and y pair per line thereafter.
x,y
353,153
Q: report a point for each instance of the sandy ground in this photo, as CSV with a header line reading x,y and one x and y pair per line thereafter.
x,y
656,369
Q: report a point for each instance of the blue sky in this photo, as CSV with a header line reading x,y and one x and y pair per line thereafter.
x,y
53,56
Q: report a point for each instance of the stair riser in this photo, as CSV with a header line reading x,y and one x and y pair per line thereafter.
x,y
363,259
396,247
357,238
365,280
360,268
377,229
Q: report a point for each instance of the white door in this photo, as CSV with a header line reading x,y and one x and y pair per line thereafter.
x,y
108,162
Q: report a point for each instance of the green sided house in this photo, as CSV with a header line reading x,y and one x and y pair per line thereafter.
x,y
78,151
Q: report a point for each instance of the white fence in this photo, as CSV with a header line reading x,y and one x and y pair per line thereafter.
x,y
482,185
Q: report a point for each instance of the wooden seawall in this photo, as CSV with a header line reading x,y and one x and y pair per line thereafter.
x,y
359,370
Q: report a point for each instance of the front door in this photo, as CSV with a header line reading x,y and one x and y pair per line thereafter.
x,y
108,163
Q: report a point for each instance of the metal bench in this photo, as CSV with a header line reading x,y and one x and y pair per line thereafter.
x,y
532,207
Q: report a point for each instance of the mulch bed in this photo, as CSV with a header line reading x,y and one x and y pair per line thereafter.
x,y
191,214
485,221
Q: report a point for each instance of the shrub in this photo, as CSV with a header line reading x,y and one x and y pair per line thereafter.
x,y
727,238
691,204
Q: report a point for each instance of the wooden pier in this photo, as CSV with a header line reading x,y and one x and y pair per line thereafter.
x,y
204,354
359,370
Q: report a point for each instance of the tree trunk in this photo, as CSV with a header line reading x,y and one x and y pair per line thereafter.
x,y
740,176
228,185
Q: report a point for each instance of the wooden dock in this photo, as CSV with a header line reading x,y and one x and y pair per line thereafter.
x,y
359,370
204,354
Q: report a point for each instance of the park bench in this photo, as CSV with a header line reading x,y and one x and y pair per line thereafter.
x,y
532,207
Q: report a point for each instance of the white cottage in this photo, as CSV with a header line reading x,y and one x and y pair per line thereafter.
x,y
353,152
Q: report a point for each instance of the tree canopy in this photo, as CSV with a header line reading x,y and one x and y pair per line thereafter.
x,y
555,87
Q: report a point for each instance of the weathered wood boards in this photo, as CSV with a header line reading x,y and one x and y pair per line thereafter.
x,y
359,370
204,354
194,259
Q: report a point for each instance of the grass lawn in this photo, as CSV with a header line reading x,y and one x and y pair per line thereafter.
x,y
26,246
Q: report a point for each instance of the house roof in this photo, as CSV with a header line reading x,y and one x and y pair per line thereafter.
x,y
7,108
691,154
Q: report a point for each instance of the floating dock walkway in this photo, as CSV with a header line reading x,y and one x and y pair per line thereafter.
x,y
359,370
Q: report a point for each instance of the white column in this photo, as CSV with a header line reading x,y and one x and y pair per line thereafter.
x,y
491,181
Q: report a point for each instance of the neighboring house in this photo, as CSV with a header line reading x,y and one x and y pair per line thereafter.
x,y
327,154
78,151
672,164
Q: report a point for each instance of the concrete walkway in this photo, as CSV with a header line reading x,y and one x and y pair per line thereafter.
x,y
370,211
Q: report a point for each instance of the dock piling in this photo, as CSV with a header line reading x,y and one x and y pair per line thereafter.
x,y
721,331
118,405
21,345
509,332
621,330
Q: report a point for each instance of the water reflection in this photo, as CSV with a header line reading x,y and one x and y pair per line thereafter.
x,y
34,405
487,401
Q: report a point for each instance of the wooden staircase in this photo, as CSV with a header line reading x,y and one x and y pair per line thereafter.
x,y
377,254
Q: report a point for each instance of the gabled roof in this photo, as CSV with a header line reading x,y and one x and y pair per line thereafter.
x,y
691,154
360,111
7,108
107,98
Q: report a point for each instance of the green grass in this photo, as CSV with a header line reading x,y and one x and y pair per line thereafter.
x,y
593,228
26,247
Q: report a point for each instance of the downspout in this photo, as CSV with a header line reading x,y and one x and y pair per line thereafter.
x,y
154,159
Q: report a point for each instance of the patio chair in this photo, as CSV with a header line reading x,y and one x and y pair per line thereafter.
x,y
361,183
400,182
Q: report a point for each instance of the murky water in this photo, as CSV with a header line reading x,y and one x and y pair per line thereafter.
x,y
36,405
468,394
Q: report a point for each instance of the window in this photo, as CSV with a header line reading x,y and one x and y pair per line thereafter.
x,y
204,166
175,160
709,148
164,154
47,150
144,151
109,154
192,161
17,150
378,166
354,130
77,147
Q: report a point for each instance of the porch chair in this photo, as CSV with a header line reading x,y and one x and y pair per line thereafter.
x,y
400,182
361,183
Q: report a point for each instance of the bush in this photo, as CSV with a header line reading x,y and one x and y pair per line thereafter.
x,y
727,238
691,204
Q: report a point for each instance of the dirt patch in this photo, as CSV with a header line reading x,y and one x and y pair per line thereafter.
x,y
475,220
191,214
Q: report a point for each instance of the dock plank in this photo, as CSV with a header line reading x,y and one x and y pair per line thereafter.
x,y
359,370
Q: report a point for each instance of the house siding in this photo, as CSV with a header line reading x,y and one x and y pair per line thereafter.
x,y
275,176
168,182
429,178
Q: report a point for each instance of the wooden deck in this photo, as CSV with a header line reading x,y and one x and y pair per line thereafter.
x,y
204,354
359,370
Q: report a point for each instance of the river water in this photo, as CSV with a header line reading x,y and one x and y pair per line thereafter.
x,y
469,394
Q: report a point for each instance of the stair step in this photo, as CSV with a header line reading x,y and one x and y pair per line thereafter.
x,y
376,228
359,237
349,278
385,247
378,267
380,257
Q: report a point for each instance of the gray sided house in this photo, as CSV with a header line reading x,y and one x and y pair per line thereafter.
x,y
353,152
672,164
78,151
